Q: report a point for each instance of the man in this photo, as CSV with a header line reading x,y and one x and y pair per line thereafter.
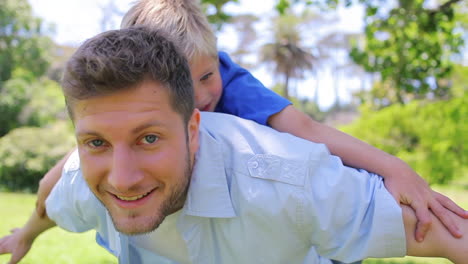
x,y
174,189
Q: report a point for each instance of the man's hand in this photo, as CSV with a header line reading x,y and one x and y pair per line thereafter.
x,y
412,190
17,244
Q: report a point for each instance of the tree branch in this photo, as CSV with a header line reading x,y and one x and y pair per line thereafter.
x,y
445,5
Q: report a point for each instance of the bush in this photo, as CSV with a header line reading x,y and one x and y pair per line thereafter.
x,y
26,102
46,104
27,153
430,137
12,99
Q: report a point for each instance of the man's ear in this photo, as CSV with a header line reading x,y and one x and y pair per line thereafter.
x,y
193,130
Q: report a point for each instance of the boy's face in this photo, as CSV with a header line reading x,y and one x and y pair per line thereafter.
x,y
136,154
206,82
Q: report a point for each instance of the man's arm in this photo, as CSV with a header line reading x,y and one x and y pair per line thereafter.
x,y
19,242
47,183
438,242
64,204
406,186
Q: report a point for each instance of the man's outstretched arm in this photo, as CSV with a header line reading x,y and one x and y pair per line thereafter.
x,y
438,242
19,242
47,183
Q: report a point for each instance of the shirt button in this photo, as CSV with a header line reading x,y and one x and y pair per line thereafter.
x,y
254,164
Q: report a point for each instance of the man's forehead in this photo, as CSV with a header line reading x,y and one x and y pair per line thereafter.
x,y
147,94
149,102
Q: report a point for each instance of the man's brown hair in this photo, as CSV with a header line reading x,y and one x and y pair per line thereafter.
x,y
121,59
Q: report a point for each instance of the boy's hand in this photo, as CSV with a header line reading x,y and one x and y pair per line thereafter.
x,y
16,244
412,190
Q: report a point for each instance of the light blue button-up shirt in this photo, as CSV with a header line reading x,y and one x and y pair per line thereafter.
x,y
255,196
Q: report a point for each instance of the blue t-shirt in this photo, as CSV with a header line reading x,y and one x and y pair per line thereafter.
x,y
245,96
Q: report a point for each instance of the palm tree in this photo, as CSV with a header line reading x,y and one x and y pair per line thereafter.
x,y
335,47
286,55
245,27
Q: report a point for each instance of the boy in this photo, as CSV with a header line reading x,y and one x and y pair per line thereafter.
x,y
222,86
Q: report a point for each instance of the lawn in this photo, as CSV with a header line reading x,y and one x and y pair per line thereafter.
x,y
56,246
61,247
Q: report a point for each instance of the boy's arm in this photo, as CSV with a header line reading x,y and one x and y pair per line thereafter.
x,y
19,242
438,242
47,183
403,183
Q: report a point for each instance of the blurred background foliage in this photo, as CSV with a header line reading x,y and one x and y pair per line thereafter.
x,y
27,153
34,133
430,136
412,53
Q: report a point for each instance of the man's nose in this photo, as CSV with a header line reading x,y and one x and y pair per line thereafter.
x,y
124,173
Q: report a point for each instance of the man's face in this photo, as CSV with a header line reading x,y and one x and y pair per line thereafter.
x,y
206,82
136,154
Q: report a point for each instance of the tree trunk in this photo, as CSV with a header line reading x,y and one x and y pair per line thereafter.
x,y
286,86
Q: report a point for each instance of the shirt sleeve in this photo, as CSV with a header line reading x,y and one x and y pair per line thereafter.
x,y
71,204
245,96
352,214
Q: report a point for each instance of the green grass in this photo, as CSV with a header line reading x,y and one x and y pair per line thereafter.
x,y
58,246
55,246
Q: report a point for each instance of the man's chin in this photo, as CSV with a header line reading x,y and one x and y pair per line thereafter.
x,y
136,225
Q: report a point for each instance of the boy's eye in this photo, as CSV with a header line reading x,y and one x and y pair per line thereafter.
x,y
206,76
149,139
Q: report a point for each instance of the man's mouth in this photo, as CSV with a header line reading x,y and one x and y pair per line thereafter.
x,y
132,198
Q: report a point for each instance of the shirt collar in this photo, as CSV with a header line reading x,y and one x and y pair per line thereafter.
x,y
208,194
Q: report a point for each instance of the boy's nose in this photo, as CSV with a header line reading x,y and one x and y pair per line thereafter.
x,y
124,173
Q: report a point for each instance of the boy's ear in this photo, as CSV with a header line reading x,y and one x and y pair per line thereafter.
x,y
193,130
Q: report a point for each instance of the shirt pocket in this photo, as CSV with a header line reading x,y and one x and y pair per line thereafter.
x,y
271,167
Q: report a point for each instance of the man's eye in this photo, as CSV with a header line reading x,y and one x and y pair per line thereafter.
x,y
206,76
95,143
149,139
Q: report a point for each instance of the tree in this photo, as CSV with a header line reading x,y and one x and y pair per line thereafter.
x,y
215,12
411,47
334,50
23,43
290,60
29,103
244,25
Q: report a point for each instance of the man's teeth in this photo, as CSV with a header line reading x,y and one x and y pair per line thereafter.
x,y
132,198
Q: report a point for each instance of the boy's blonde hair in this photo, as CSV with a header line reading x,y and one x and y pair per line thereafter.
x,y
183,20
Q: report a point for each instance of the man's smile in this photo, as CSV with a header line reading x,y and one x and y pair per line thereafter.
x,y
132,198
133,201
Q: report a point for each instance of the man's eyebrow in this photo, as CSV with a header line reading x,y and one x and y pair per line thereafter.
x,y
87,133
145,126
134,131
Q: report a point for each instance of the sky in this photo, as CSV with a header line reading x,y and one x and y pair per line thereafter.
x,y
78,20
